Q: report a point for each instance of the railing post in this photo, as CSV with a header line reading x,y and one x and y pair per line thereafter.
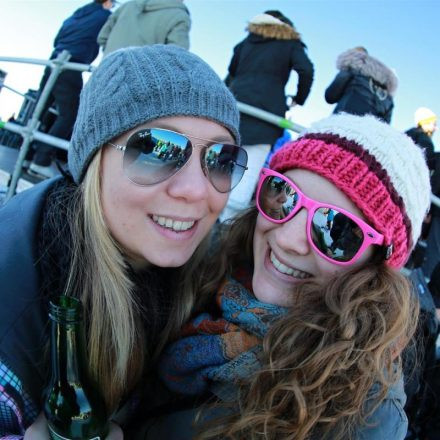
x,y
33,123
2,78
269,117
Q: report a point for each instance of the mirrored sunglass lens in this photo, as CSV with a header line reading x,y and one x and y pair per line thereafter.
x,y
153,155
277,199
225,165
335,234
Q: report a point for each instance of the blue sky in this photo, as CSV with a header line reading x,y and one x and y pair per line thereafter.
x,y
401,33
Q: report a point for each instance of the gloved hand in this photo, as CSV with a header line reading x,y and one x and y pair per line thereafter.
x,y
291,101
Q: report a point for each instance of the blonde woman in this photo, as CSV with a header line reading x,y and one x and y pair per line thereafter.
x,y
152,158
304,337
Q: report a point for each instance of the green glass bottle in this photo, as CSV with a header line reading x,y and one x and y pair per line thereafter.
x,y
74,408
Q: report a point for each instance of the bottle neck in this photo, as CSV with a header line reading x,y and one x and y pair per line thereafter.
x,y
68,352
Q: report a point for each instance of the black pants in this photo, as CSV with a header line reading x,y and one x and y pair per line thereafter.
x,y
65,97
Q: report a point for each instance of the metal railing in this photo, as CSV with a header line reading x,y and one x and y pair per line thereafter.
x,y
30,131
269,117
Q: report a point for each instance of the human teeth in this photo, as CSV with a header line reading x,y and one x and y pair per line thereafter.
x,y
280,267
175,225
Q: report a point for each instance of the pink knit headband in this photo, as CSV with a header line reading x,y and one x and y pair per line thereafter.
x,y
361,177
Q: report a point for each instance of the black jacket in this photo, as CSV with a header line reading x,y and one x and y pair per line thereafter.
x,y
425,143
79,32
432,159
33,266
435,184
23,314
364,85
258,73
355,94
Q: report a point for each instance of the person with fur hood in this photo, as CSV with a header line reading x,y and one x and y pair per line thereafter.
x,y
364,85
258,73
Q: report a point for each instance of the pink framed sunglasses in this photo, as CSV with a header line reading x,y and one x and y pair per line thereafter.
x,y
335,234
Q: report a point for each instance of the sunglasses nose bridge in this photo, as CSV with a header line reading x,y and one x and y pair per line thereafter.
x,y
199,145
306,203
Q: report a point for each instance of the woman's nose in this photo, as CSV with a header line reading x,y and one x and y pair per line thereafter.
x,y
282,197
292,235
190,182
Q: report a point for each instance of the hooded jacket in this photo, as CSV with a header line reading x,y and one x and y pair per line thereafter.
x,y
258,73
143,22
364,85
78,33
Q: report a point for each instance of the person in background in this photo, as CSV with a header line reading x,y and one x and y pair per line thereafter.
x,y
426,125
142,22
299,341
258,73
364,85
124,232
432,253
77,35
432,428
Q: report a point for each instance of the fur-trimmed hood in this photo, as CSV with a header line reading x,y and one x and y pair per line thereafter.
x,y
279,32
367,65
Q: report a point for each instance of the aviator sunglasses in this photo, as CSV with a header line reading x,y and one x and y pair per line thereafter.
x,y
152,155
335,234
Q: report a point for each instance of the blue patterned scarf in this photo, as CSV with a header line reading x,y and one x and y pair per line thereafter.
x,y
215,352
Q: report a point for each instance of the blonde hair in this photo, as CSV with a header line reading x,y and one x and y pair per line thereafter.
x,y
320,362
99,277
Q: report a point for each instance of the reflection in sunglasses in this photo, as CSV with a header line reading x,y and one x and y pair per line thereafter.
x,y
332,231
152,155
274,197
342,237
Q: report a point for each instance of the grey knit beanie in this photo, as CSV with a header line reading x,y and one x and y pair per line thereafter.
x,y
135,85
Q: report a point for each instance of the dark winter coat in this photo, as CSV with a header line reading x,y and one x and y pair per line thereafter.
x,y
34,262
23,314
79,32
364,85
425,143
432,159
435,184
258,73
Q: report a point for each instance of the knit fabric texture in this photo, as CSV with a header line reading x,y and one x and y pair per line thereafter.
x,y
138,84
380,169
219,349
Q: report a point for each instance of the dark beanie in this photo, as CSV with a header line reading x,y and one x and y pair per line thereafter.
x,y
280,16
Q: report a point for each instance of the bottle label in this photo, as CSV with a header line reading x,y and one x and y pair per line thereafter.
x,y
55,436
